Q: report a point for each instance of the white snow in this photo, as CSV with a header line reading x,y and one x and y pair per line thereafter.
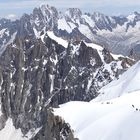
x,y
94,46
51,82
2,32
10,133
45,62
92,61
109,117
59,40
112,120
5,44
98,48
72,25
37,21
7,33
63,25
12,38
88,20
75,49
37,34
54,60
116,56
86,31
89,84
131,17
127,83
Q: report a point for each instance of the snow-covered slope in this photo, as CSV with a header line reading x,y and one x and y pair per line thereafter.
x,y
116,119
57,39
127,83
113,115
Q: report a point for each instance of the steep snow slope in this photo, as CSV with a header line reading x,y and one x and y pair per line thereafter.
x,y
57,39
116,119
109,116
127,83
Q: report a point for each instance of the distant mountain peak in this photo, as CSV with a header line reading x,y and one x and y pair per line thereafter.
x,y
73,12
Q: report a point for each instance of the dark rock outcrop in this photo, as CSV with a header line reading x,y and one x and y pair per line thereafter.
x,y
55,128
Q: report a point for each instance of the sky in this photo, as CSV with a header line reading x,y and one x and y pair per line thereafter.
x,y
15,8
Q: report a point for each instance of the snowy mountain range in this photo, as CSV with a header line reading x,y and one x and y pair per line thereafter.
x,y
49,58
119,34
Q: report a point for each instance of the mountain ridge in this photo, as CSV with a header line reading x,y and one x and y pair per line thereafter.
x,y
119,34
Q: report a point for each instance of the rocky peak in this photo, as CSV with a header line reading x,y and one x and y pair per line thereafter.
x,y
107,56
73,24
102,21
98,15
49,11
56,128
37,14
137,13
4,21
73,13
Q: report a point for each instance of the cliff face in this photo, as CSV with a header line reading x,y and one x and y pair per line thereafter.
x,y
36,74
55,128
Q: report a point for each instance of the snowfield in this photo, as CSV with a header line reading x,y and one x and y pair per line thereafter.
x,y
113,115
57,39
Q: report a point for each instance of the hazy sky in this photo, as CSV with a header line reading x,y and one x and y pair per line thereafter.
x,y
15,8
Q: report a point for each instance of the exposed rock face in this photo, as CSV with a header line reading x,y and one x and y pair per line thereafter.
x,y
37,74
55,128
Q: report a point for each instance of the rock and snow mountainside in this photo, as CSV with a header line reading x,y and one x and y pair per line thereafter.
x,y
119,34
44,64
128,82
38,73
113,115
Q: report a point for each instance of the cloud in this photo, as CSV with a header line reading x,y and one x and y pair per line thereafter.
x,y
12,16
21,4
